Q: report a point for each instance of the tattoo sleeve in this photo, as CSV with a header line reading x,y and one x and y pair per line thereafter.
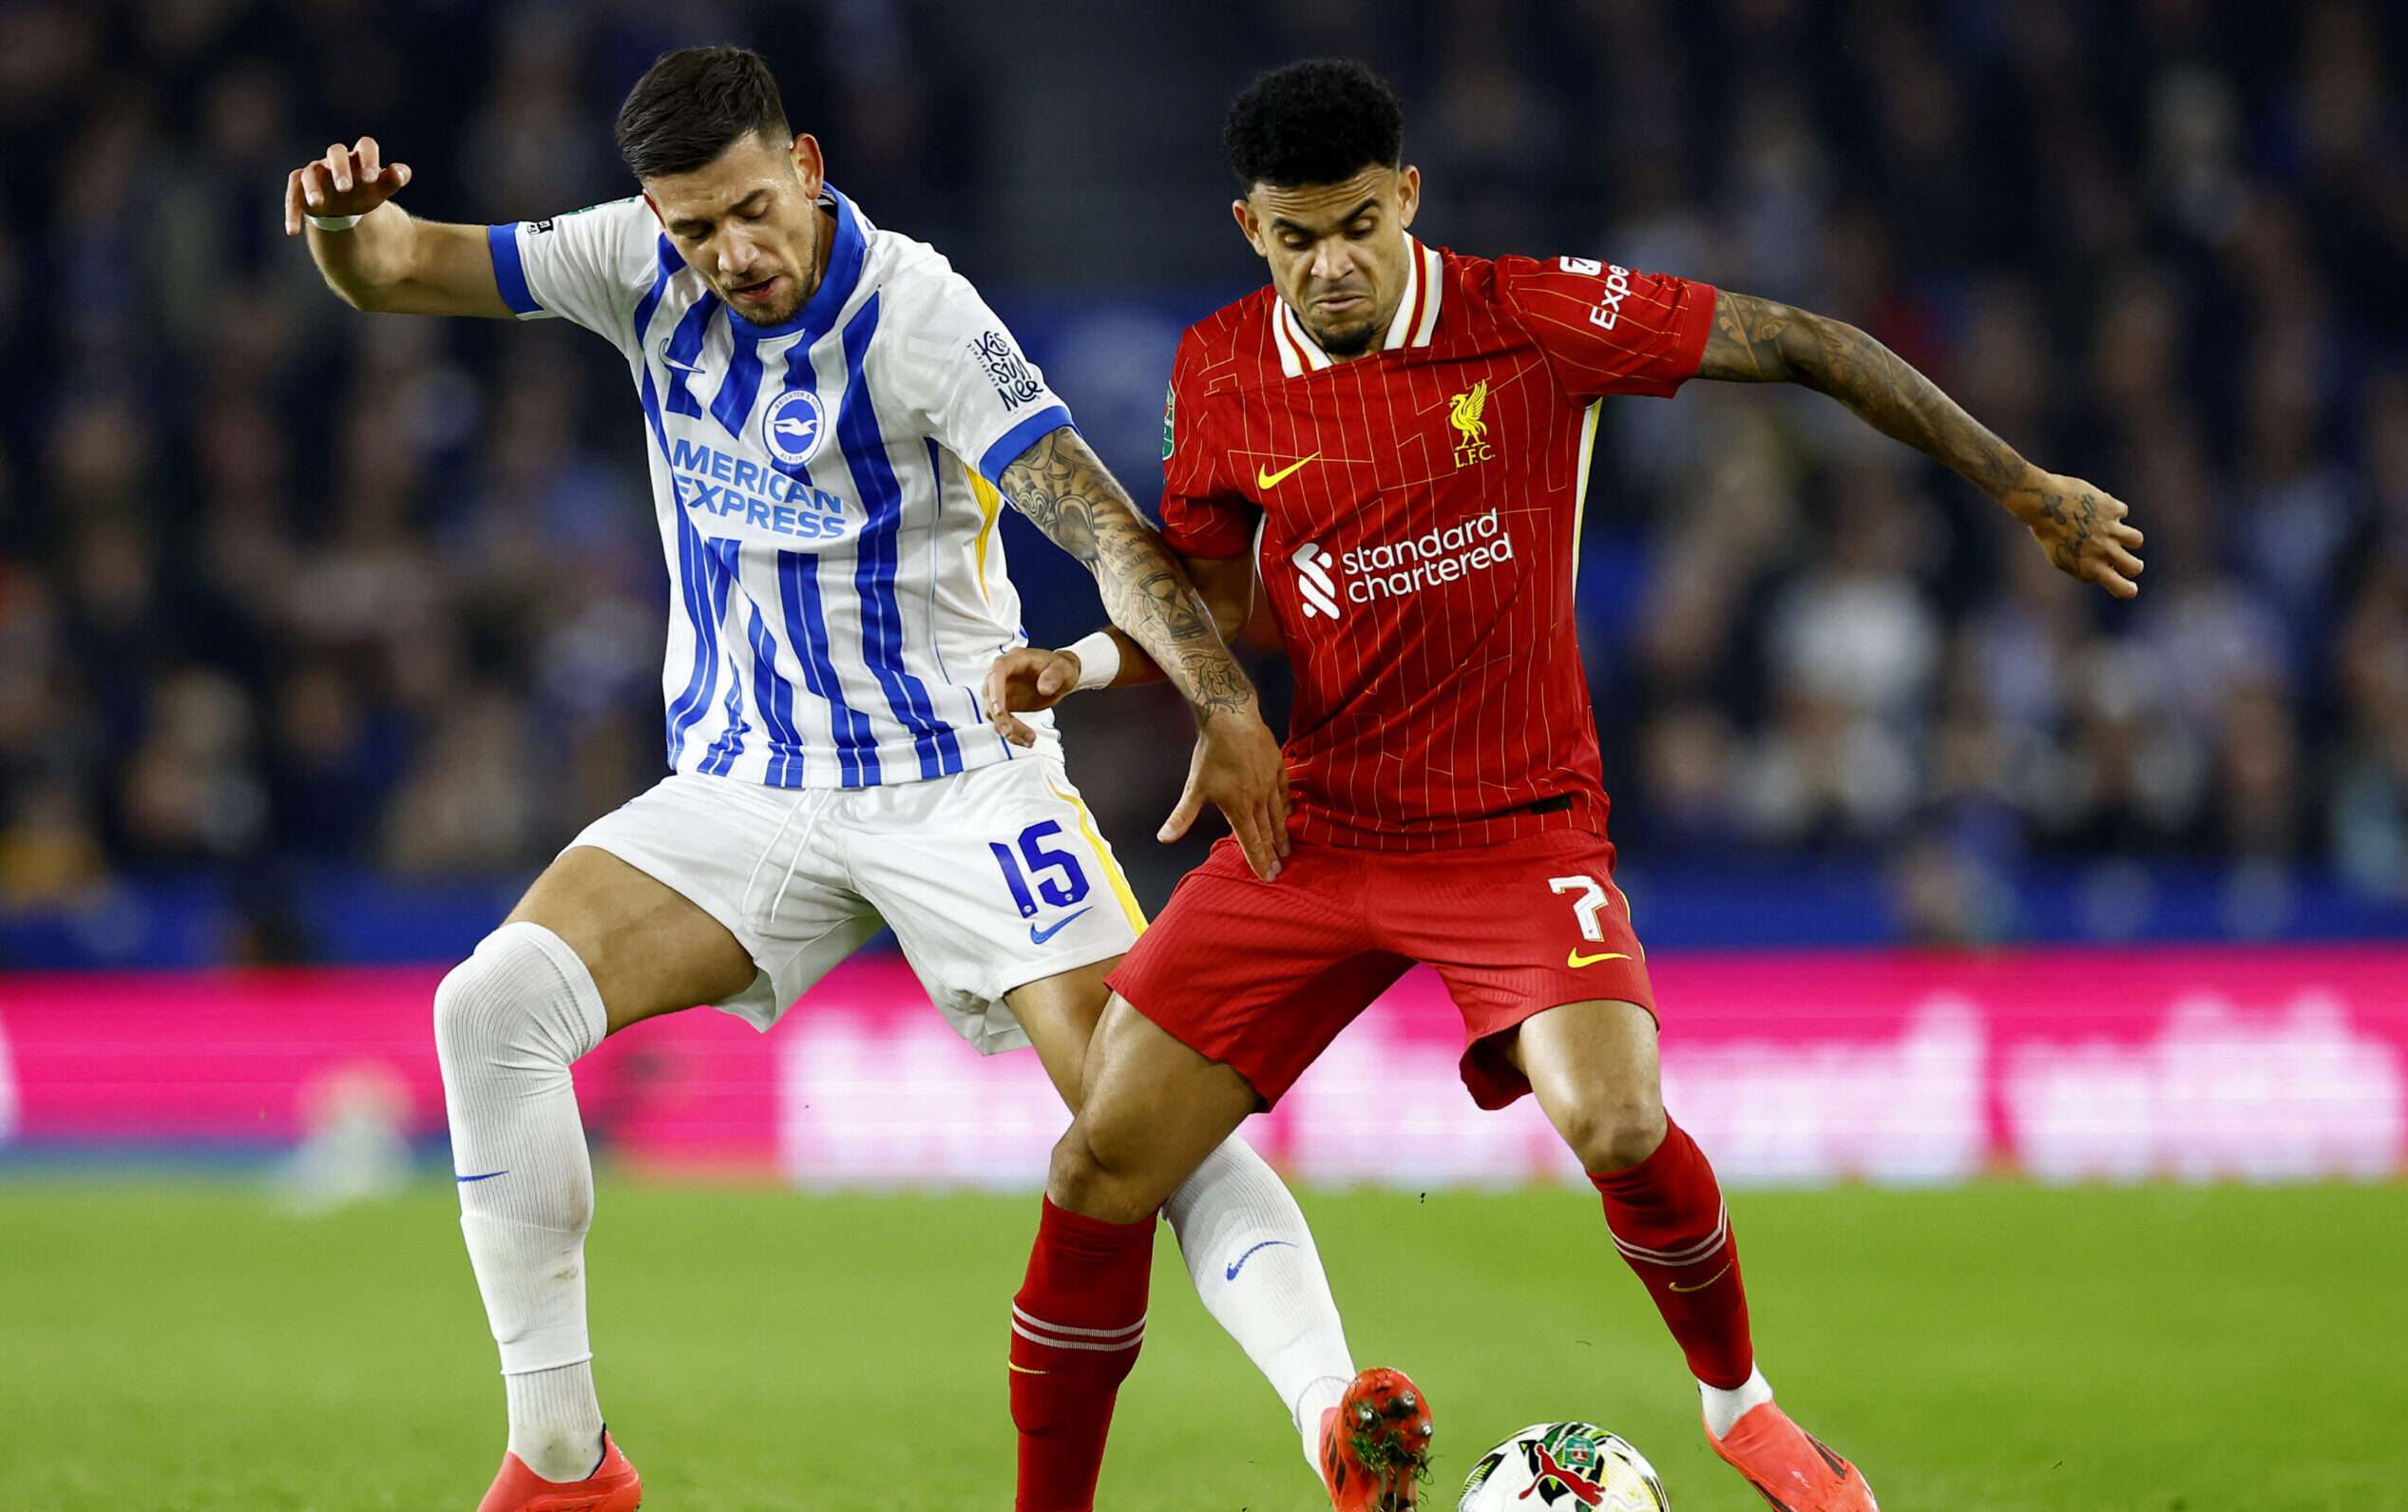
x,y
1758,341
1066,492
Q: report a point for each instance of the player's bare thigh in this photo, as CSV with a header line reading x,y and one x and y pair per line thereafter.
x,y
1155,1109
650,948
1593,1068
1059,1013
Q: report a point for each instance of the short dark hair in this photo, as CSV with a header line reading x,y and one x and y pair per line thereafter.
x,y
1322,121
693,104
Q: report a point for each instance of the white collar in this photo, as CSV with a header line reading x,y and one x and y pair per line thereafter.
x,y
1416,316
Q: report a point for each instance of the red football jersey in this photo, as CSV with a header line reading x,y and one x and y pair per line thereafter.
x,y
1416,517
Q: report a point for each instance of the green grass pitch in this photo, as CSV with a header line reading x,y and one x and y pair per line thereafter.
x,y
176,1348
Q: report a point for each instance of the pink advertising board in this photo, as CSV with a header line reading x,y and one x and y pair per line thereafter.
x,y
2202,1063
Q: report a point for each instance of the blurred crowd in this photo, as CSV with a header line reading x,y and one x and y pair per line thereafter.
x,y
284,587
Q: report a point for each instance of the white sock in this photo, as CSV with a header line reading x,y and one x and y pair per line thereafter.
x,y
508,1022
1725,1408
1258,1274
556,1423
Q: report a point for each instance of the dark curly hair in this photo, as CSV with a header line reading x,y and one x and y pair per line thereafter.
x,y
1322,121
693,104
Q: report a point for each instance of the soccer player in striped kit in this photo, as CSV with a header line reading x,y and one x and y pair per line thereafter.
x,y
1396,438
833,418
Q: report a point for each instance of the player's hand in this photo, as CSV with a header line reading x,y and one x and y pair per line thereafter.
x,y
1028,678
348,181
1237,767
2081,528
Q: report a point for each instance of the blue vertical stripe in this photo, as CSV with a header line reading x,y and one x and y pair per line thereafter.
x,y
688,705
806,619
733,405
718,579
773,696
806,630
685,345
669,265
876,551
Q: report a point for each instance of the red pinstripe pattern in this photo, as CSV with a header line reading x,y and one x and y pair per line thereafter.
x,y
1447,695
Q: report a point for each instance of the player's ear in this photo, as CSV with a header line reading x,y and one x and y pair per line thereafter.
x,y
1408,194
654,205
810,165
1249,225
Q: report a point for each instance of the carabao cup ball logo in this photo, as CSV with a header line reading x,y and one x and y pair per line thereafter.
x,y
792,426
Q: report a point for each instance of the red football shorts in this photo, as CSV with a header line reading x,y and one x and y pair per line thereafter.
x,y
1261,976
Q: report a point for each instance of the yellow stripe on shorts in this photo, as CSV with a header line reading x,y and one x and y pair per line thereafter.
x,y
1111,864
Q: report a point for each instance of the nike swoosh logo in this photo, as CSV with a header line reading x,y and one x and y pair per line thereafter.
x,y
686,368
1038,936
487,1176
1025,1370
1675,1286
1240,1264
1576,959
1265,478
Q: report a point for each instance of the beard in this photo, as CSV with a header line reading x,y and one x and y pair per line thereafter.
x,y
776,315
1345,341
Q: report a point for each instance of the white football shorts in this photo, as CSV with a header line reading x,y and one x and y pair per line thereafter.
x,y
991,879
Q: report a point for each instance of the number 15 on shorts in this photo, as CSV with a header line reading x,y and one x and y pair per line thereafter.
x,y
1057,877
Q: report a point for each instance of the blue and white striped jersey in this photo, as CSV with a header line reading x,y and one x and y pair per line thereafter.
x,y
823,493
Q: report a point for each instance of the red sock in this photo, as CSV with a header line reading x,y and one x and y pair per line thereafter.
x,y
1667,1216
1076,1328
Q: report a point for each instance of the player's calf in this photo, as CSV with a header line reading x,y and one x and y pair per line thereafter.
x,y
508,1023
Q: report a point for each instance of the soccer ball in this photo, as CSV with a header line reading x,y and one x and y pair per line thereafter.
x,y
1565,1467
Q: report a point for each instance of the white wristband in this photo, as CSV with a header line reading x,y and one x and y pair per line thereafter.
x,y
335,222
1099,660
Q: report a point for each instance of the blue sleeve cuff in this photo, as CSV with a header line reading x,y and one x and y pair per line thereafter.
x,y
510,275
1008,445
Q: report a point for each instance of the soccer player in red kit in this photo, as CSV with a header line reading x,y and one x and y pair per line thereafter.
x,y
1397,439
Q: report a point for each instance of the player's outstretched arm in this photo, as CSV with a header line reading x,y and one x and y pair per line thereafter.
x,y
386,260
1065,490
1034,678
2082,527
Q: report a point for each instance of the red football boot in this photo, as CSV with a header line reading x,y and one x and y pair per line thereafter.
x,y
1790,1467
1375,1444
614,1486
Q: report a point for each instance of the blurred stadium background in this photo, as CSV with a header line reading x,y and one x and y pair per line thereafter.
x,y
320,632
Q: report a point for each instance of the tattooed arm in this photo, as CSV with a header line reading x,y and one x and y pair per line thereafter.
x,y
1066,491
2080,527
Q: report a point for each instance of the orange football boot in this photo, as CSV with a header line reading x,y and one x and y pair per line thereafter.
x,y
1375,1444
614,1486
1790,1467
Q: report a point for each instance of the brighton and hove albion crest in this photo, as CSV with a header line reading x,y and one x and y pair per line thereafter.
x,y
793,426
1465,413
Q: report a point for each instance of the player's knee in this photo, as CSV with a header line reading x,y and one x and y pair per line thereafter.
x,y
1098,1175
521,995
1613,1129
461,1019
